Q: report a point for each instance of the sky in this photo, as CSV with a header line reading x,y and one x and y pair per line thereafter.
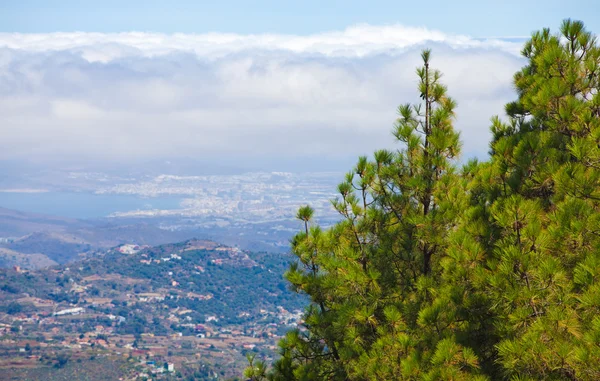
x,y
271,84
473,17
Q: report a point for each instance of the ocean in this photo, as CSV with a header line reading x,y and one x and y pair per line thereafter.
x,y
83,205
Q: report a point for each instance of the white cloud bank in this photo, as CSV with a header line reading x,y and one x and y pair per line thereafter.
x,y
146,95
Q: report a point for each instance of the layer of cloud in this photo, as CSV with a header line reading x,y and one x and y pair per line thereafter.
x,y
356,41
144,95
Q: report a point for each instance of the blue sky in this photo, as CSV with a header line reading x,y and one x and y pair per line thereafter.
x,y
478,18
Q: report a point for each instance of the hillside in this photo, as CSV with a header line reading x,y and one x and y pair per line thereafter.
x,y
189,297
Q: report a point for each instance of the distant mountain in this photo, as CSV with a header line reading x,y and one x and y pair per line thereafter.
x,y
14,223
36,240
61,240
10,258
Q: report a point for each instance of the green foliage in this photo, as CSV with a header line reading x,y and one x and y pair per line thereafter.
x,y
14,308
256,369
545,210
491,271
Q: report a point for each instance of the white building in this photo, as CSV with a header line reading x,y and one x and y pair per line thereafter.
x,y
69,311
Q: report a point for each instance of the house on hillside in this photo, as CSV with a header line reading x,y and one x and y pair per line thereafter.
x,y
69,311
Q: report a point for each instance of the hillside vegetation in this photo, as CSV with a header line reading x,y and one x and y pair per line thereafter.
x,y
489,271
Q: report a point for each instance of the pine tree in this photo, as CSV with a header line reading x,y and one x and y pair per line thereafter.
x,y
372,277
488,272
544,267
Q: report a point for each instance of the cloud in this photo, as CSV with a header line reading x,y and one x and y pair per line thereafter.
x,y
145,95
356,41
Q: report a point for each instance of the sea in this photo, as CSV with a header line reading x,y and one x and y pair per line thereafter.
x,y
83,205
